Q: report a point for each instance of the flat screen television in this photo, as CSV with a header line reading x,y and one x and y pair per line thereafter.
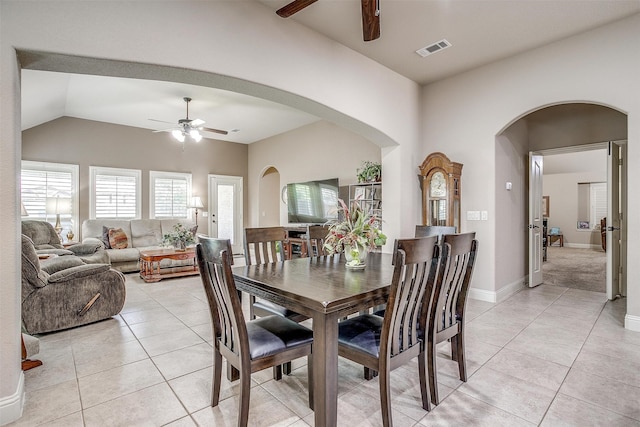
x,y
312,202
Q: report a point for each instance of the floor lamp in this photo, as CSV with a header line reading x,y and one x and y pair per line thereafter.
x,y
196,203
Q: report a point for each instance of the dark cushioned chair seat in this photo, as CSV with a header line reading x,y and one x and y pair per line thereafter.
x,y
362,333
272,334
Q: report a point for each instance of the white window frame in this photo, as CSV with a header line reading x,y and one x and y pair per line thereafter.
x,y
74,170
99,170
178,176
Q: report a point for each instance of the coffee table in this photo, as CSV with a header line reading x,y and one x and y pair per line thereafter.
x,y
150,270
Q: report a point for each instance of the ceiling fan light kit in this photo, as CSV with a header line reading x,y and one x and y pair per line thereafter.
x,y
189,127
370,15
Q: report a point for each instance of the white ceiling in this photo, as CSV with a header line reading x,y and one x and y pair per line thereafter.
x,y
480,31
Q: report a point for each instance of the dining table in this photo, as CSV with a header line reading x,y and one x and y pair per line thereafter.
x,y
324,289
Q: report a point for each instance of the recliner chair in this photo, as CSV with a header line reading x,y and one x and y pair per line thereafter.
x,y
69,297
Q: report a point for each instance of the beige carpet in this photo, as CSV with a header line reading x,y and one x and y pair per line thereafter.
x,y
576,268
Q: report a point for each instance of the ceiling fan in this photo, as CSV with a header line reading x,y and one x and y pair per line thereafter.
x,y
370,15
188,127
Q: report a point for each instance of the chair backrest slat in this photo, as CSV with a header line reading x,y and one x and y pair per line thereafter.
x,y
316,235
454,276
413,275
229,328
265,243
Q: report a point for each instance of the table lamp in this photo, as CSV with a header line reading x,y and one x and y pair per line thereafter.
x,y
196,203
57,205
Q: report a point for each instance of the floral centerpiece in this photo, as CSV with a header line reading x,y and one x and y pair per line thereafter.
x,y
179,238
355,234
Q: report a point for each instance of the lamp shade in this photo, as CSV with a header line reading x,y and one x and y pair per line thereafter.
x,y
196,202
58,205
23,211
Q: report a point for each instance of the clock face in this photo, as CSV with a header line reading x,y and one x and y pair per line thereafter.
x,y
438,186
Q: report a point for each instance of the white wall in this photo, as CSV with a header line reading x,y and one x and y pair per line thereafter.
x,y
237,45
469,110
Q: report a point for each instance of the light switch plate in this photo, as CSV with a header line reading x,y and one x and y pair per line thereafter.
x,y
485,215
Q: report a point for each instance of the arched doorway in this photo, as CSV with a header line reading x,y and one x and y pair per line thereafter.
x,y
269,198
567,132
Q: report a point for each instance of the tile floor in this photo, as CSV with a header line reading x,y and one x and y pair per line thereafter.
x,y
547,356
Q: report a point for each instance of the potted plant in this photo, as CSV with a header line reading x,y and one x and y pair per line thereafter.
x,y
369,172
179,238
355,234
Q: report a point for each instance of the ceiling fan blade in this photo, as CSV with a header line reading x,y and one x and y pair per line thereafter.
x,y
222,132
370,19
196,123
164,130
162,121
294,7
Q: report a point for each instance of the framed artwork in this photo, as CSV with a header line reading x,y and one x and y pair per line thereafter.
x,y
583,225
358,193
545,206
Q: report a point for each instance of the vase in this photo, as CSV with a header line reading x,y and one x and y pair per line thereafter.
x,y
356,256
180,245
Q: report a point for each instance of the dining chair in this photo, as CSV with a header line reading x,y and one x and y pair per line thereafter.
x,y
264,245
447,306
383,344
315,239
248,346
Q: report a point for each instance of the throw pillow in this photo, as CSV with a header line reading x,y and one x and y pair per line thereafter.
x,y
105,237
117,238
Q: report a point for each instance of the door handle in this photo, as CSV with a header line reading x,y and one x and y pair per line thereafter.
x,y
532,226
610,228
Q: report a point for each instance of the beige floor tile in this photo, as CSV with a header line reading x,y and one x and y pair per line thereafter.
x,y
521,398
170,341
185,360
153,406
264,411
57,367
529,368
116,382
492,333
292,391
157,327
89,361
193,318
182,422
152,315
567,411
463,410
204,331
626,371
49,404
613,347
604,392
106,330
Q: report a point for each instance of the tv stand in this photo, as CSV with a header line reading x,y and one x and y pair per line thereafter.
x,y
296,243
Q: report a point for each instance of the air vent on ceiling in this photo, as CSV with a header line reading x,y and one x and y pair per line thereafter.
x,y
433,48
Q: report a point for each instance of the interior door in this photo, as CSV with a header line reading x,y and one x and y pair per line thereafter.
x,y
613,220
535,219
226,210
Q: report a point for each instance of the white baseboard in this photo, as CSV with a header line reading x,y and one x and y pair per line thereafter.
x,y
500,295
632,322
11,406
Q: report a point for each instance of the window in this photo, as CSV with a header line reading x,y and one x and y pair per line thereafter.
x,y
51,189
592,204
116,193
169,194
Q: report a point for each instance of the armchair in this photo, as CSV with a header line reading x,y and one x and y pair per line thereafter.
x,y
69,297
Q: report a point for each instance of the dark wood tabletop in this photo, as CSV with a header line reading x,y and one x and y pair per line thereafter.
x,y
325,290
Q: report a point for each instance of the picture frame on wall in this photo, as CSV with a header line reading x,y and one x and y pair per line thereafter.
x,y
545,206
583,225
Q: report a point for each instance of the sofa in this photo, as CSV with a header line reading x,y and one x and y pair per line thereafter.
x,y
69,297
46,241
141,234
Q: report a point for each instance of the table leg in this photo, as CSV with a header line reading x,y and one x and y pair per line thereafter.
x,y
325,369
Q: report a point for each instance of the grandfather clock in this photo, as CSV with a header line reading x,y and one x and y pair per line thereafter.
x,y
440,183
